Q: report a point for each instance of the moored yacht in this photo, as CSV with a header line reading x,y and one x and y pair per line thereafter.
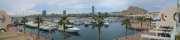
x,y
50,27
70,28
41,27
31,24
87,23
106,23
78,23
71,21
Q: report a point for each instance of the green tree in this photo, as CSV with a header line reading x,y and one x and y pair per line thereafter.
x,y
24,21
38,20
63,22
149,19
141,20
100,23
16,22
127,22
177,37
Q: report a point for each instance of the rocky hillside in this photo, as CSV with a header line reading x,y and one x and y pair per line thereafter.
x,y
132,10
136,10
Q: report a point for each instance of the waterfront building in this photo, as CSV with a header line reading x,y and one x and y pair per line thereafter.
x,y
93,10
64,12
166,27
44,13
167,17
5,19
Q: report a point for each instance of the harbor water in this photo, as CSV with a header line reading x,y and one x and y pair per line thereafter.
x,y
113,31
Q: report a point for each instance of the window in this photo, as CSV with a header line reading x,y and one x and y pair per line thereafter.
x,y
162,16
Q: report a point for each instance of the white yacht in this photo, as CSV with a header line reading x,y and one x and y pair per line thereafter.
x,y
32,24
56,21
70,28
78,23
49,26
71,21
41,27
106,23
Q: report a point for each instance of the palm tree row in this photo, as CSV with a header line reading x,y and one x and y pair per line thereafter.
x,y
99,22
38,20
127,22
143,19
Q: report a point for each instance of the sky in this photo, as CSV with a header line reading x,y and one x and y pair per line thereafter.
x,y
29,7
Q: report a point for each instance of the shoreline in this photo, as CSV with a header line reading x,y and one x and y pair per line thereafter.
x,y
30,36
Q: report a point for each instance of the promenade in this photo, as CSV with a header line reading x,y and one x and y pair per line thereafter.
x,y
17,35
135,36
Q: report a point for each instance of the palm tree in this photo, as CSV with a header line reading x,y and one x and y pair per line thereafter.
x,y
141,20
24,21
149,19
16,22
63,22
99,22
127,23
38,20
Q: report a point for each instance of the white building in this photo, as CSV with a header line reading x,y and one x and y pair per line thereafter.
x,y
5,19
167,18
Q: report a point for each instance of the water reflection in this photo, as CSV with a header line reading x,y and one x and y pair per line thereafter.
x,y
67,35
86,33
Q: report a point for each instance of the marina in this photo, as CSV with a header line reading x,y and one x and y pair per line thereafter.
x,y
84,32
89,20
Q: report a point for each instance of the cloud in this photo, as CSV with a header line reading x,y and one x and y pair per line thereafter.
x,y
23,12
114,4
72,3
19,4
14,7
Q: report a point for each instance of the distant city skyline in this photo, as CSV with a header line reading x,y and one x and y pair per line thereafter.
x,y
28,7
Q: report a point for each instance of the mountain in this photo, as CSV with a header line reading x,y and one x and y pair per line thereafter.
x,y
132,10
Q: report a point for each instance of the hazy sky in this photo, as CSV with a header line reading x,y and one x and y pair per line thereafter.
x,y
27,7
